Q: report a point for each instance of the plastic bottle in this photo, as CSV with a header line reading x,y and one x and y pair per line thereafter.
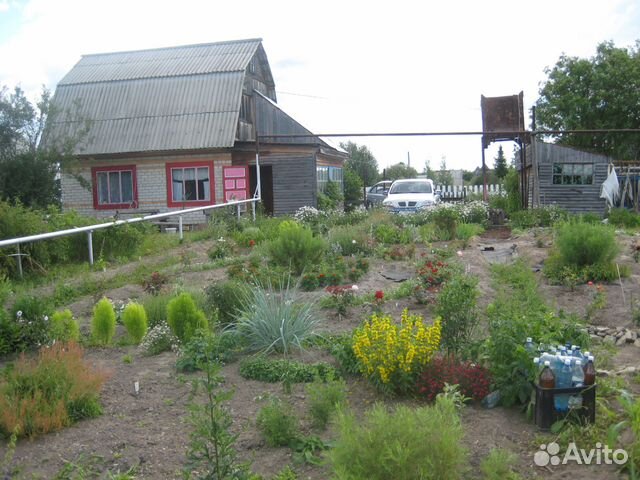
x,y
529,345
547,379
536,363
589,371
577,374
563,380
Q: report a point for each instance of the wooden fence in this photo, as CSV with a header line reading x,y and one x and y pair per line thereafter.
x,y
458,192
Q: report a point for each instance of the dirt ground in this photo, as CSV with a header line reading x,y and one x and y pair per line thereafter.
x,y
149,431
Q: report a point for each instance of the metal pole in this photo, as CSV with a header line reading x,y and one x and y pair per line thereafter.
x,y
180,227
90,240
253,210
238,209
485,196
19,261
258,180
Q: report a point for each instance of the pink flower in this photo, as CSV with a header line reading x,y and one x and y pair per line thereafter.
x,y
379,295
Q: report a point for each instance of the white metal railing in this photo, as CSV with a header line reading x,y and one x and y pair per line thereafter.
x,y
89,229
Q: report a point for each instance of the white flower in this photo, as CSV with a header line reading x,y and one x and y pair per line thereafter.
x,y
19,313
46,318
354,242
354,287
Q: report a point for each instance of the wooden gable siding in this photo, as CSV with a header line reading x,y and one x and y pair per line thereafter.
x,y
574,198
294,182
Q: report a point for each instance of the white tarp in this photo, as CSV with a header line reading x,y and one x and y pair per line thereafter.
x,y
611,188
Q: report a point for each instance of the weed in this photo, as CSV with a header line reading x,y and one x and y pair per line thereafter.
x,y
277,424
324,399
456,306
498,465
128,359
306,449
226,298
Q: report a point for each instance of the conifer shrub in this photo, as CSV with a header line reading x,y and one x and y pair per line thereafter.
x,y
134,319
103,323
184,318
64,327
296,247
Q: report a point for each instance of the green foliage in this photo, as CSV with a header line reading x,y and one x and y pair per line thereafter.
x,y
28,324
621,217
324,399
348,240
405,444
456,305
596,92
583,244
362,162
352,188
498,465
331,198
204,345
221,248
103,323
64,327
500,164
159,339
273,371
276,321
296,247
466,231
156,308
518,312
400,170
285,474
184,318
277,424
211,453
341,348
538,217
306,449
225,297
134,319
446,222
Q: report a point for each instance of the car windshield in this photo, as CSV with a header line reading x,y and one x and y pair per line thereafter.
x,y
410,187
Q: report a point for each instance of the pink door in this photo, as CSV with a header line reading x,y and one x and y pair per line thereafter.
x,y
236,183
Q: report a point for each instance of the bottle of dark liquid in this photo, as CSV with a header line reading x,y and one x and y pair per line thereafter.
x,y
589,372
547,378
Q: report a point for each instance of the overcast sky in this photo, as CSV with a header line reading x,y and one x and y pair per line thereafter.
x,y
341,66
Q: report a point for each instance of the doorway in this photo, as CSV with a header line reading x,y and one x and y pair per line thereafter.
x,y
266,181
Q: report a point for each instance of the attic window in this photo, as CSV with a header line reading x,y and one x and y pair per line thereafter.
x,y
114,187
245,109
573,174
189,184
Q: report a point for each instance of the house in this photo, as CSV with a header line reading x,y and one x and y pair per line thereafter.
x,y
566,177
174,128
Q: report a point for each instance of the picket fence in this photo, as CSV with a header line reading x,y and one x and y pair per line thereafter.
x,y
458,192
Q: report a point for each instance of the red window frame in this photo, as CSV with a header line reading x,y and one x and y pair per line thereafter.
x,y
190,203
224,180
114,168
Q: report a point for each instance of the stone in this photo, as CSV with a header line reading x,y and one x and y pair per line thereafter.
x,y
637,342
610,339
627,371
630,336
621,341
597,339
603,373
602,329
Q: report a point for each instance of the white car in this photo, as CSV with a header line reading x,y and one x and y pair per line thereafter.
x,y
410,195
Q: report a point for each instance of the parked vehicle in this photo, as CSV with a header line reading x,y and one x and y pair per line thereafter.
x,y
377,193
411,195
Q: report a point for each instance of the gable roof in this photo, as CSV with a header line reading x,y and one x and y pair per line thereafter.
x,y
174,98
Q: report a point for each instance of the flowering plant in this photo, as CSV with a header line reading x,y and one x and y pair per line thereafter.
x,y
391,355
474,380
342,296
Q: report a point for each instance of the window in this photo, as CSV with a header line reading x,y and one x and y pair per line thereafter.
x,y
326,174
245,109
572,173
114,187
189,184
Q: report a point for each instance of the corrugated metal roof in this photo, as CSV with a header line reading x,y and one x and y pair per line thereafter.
x,y
152,100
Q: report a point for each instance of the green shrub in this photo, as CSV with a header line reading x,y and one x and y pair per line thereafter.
x,y
276,321
583,244
225,297
538,217
184,318
465,231
273,371
134,319
49,392
277,424
156,308
456,306
348,240
28,325
296,247
498,465
324,399
446,222
103,323
64,327
404,444
621,217
159,339
207,346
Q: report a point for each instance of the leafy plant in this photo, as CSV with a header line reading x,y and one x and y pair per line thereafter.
x,y
103,323
154,283
347,240
342,297
273,371
184,318
583,244
473,380
456,306
324,398
134,319
392,356
306,449
49,392
404,444
64,327
206,345
226,298
275,321
498,465
296,247
277,424
30,328
621,217
158,339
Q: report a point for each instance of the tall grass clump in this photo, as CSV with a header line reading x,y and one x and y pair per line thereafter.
x,y
498,465
49,392
456,306
64,327
185,318
156,308
134,319
404,444
296,247
103,323
225,298
324,399
349,240
271,320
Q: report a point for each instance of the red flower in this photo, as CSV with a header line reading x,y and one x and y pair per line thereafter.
x,y
379,295
252,243
590,283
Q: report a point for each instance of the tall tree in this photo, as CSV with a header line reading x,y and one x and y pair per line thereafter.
x,y
362,162
500,164
444,176
428,171
400,170
352,188
601,92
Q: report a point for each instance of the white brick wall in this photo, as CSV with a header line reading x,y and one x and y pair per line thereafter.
x,y
152,185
